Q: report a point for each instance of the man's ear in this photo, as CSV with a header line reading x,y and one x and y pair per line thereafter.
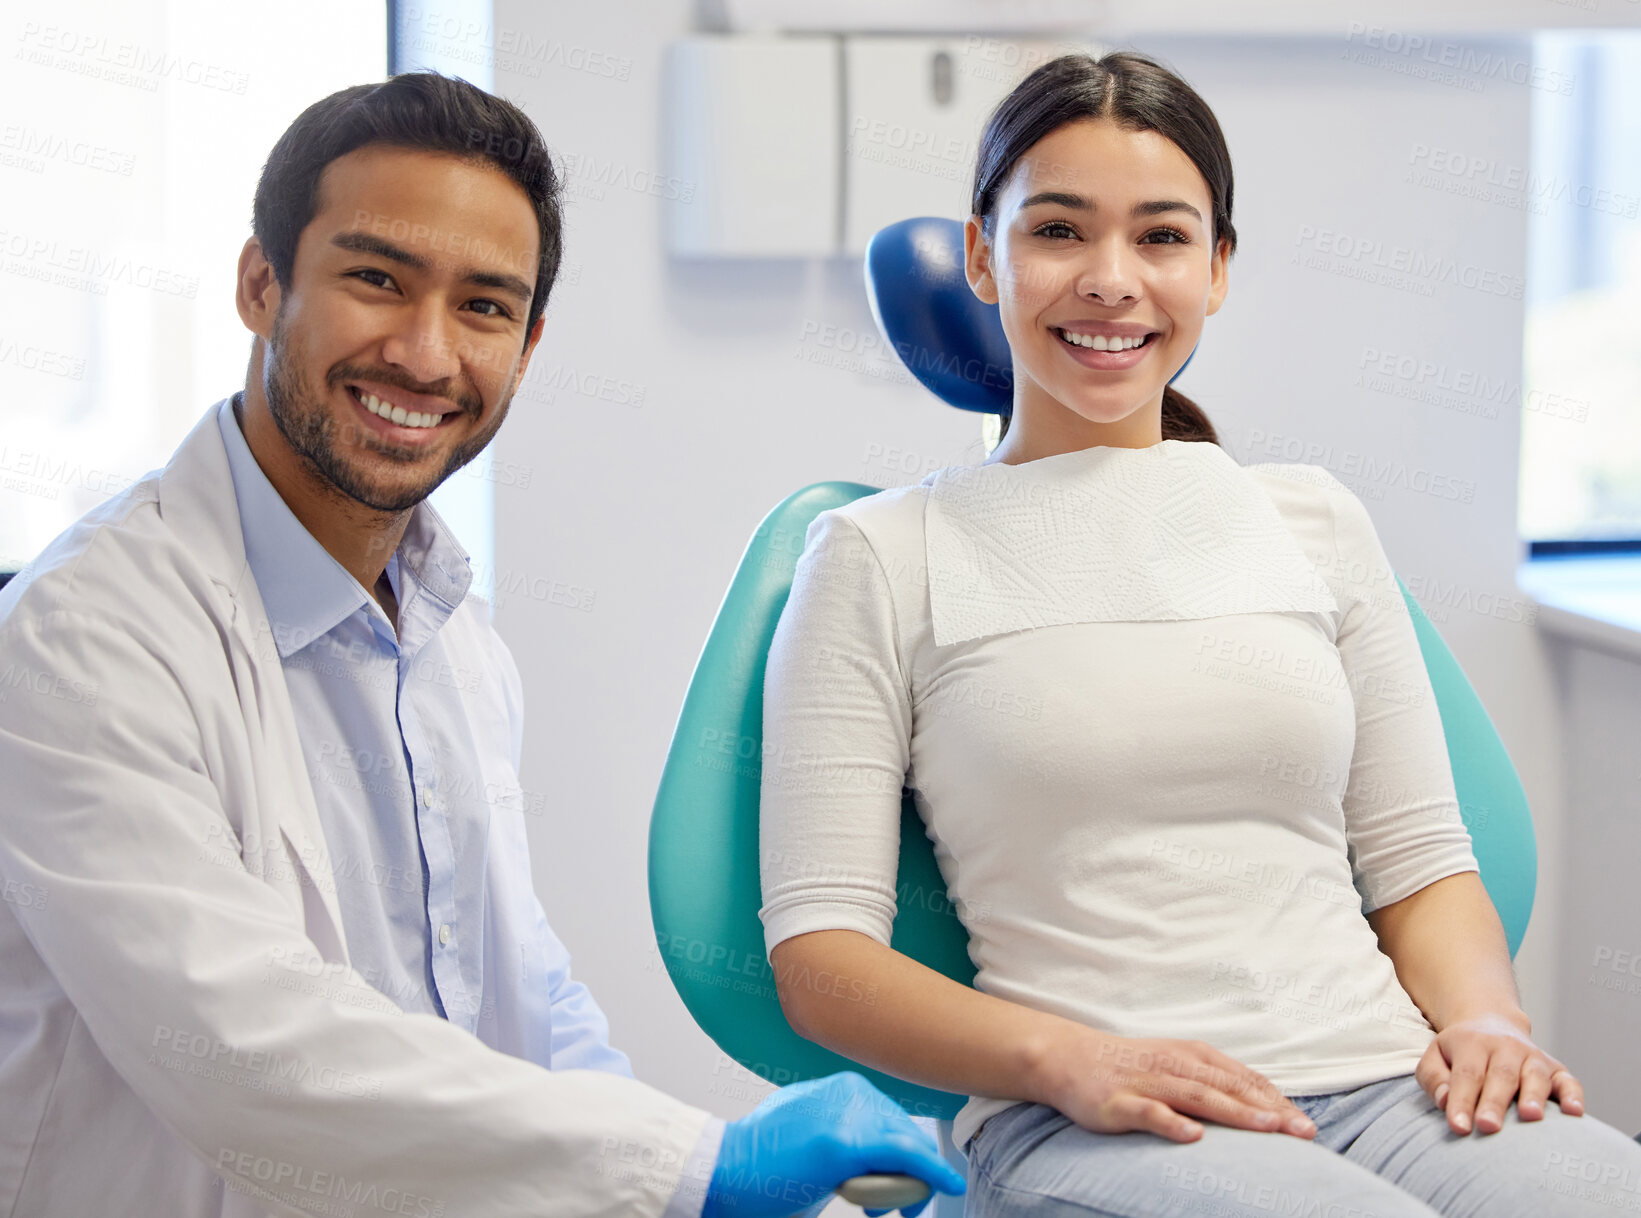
x,y
530,341
977,261
511,385
256,292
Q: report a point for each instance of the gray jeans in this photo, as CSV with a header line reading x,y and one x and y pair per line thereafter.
x,y
1382,1150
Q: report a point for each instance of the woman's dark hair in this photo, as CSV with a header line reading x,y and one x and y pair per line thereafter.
x,y
420,110
1137,94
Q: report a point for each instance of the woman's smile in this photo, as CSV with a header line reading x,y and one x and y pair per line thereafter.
x,y
1106,347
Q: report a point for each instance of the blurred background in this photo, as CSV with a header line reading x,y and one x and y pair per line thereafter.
x,y
1436,296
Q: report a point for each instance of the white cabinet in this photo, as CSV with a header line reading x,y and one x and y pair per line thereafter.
x,y
805,145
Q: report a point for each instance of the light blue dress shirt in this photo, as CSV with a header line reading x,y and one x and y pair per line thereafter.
x,y
398,779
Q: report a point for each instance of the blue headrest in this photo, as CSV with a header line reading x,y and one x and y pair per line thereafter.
x,y
950,339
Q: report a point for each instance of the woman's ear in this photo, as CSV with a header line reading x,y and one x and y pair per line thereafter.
x,y
1219,272
977,261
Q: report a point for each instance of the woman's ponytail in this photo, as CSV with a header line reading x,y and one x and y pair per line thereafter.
x,y
1182,419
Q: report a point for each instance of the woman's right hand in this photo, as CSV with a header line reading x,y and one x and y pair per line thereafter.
x,y
1116,1084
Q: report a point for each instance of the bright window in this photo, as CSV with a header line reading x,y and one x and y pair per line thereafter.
x,y
131,137
1581,400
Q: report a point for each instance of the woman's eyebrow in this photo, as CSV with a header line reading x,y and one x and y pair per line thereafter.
x,y
1154,207
1157,207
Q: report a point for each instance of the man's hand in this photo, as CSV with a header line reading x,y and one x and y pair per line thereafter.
x,y
796,1147
1491,1056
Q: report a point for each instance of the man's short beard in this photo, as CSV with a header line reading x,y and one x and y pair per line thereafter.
x,y
311,431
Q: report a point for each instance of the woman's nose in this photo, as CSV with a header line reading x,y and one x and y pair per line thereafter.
x,y
1108,275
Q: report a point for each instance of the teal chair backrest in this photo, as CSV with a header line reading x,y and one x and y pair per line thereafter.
x,y
703,850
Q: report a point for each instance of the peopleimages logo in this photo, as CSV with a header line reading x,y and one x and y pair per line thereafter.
x,y
1397,265
1517,181
85,268
97,55
316,1191
590,175
509,48
1420,379
16,676
1447,62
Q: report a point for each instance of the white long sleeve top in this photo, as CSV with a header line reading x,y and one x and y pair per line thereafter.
x,y
1169,729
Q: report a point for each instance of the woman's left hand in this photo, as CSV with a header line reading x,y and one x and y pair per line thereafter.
x,y
1477,1066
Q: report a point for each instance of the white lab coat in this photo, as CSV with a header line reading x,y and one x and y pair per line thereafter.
x,y
194,1040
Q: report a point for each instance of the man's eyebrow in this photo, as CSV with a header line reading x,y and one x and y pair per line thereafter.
x,y
1154,207
365,243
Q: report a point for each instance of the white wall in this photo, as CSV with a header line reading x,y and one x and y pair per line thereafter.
x,y
1599,945
740,400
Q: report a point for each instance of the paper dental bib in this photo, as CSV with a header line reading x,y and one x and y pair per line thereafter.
x,y
1171,532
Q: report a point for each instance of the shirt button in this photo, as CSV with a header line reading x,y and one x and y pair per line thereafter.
x,y
444,933
427,799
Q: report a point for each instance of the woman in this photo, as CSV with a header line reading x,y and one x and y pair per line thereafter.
x,y
1168,724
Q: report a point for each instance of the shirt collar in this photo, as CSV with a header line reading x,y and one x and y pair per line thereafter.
x,y
439,570
306,591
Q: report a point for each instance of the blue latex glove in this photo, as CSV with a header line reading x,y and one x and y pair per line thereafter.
x,y
796,1147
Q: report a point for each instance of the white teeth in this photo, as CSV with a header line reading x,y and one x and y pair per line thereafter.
x,y
1099,342
397,414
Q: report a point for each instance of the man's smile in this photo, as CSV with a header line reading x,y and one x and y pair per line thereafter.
x,y
403,417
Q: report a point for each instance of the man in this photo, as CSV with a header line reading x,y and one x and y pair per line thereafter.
x,y
270,942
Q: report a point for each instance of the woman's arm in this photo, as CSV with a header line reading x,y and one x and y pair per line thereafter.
x,y
1452,958
901,1017
1411,858
922,1026
1450,952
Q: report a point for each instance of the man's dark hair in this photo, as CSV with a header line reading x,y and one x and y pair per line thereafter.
x,y
426,111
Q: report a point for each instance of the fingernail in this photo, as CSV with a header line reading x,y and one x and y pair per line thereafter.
x,y
1441,1094
1301,1124
1462,1121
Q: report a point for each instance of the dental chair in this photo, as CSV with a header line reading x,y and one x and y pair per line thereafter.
x,y
703,846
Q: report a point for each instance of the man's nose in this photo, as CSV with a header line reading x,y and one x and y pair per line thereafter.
x,y
426,345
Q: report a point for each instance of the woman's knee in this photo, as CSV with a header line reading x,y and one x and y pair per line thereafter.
x,y
1040,1163
1583,1158
1553,1166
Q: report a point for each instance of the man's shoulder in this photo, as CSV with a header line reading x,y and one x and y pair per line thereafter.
x,y
472,640
470,628
120,562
